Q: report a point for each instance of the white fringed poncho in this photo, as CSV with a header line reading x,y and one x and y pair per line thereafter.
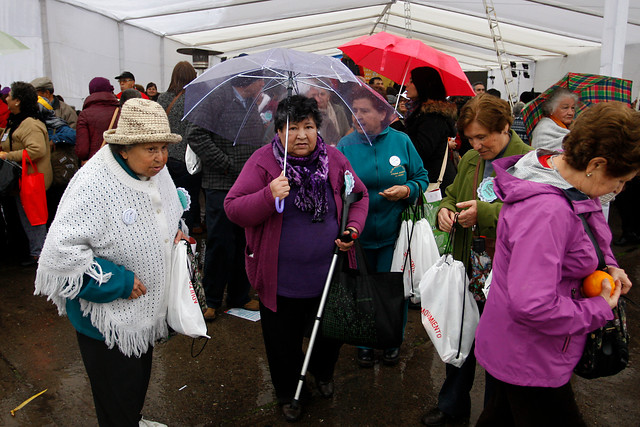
x,y
106,213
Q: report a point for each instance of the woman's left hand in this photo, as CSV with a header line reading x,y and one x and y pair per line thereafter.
x,y
396,193
468,216
346,246
179,236
620,278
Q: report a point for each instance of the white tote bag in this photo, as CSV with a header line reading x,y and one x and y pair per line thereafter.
x,y
423,253
191,159
449,312
184,314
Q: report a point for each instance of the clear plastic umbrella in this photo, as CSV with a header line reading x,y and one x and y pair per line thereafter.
x,y
260,81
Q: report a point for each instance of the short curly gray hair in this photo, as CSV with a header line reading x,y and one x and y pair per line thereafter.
x,y
552,102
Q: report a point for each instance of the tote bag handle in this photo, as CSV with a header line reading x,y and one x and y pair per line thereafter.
x,y
25,157
113,119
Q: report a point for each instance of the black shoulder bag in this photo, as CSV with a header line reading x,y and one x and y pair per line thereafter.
x,y
364,308
606,351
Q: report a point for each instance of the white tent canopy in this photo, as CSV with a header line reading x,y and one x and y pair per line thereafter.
x,y
75,40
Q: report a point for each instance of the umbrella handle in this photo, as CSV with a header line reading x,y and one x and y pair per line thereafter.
x,y
279,205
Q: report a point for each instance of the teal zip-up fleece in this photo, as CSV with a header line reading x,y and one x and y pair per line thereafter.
x,y
391,159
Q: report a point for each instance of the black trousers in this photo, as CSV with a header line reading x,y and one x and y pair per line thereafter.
x,y
513,405
455,395
628,203
224,264
118,383
192,183
283,332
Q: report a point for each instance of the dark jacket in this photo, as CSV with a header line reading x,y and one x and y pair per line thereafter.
x,y
222,159
179,126
429,128
94,119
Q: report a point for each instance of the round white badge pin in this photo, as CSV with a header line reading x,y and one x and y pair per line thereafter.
x,y
394,161
129,216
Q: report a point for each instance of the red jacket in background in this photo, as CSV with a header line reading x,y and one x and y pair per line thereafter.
x,y
94,119
144,95
4,114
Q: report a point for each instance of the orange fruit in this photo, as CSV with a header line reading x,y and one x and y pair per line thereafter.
x,y
592,284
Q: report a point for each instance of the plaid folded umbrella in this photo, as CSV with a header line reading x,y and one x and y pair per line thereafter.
x,y
591,88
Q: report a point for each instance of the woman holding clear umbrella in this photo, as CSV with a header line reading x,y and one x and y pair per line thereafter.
x,y
392,170
288,255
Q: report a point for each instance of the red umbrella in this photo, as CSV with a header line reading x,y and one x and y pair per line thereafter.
x,y
394,57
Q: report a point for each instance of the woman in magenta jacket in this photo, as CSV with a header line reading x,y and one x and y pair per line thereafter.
x,y
288,254
535,322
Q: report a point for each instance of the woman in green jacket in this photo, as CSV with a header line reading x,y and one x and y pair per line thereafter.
x,y
486,122
392,171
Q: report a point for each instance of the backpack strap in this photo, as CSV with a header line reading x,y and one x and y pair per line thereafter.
x,y
572,194
170,106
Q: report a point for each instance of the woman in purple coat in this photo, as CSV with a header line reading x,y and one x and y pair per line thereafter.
x,y
288,255
535,322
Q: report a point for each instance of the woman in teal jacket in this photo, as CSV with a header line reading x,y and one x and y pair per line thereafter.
x,y
393,173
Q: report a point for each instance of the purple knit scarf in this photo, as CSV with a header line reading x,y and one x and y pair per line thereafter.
x,y
312,193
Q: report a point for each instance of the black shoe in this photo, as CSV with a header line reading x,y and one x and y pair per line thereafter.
x,y
291,413
434,417
627,239
29,262
365,357
415,305
325,388
391,356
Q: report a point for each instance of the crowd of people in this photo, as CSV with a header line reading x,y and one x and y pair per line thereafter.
x,y
103,256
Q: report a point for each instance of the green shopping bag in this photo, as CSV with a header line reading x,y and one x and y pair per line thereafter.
x,y
431,201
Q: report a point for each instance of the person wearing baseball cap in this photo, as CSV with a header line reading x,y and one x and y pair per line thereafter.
x,y
106,254
127,81
44,87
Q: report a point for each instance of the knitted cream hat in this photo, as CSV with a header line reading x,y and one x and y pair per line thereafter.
x,y
141,121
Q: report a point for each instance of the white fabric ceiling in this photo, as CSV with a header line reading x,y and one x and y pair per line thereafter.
x,y
72,41
531,30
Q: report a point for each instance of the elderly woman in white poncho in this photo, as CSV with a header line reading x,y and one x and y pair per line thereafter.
x,y
105,260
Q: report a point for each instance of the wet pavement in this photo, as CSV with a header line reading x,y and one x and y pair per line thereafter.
x,y
229,384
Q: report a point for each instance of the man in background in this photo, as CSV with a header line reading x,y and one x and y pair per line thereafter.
x,y
478,88
377,84
44,87
127,81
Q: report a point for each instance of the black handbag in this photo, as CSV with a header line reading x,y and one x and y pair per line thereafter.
x,y
9,177
606,351
364,308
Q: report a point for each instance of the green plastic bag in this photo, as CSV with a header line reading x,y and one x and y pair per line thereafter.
x,y
431,203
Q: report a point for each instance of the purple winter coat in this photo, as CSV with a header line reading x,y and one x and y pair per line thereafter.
x,y
534,325
250,204
93,120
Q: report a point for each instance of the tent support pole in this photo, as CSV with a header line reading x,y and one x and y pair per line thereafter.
x,y
162,63
614,35
46,47
121,46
